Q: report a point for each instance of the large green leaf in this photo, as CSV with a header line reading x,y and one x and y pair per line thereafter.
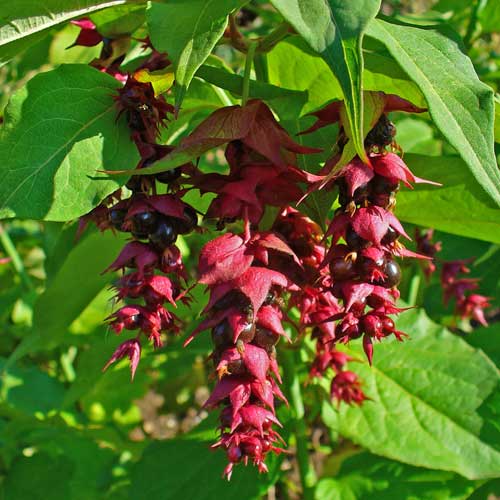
x,y
194,471
460,105
335,29
292,65
59,130
188,31
76,284
23,23
427,397
459,207
363,476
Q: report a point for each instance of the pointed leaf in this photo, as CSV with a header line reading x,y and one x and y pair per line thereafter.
x,y
188,31
460,105
60,128
335,29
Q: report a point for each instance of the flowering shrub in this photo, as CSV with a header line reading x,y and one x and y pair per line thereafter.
x,y
207,267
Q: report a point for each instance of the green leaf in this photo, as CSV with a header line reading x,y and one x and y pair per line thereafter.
x,y
335,30
194,471
366,476
188,31
489,16
460,105
426,399
29,390
60,128
75,285
459,207
291,65
23,23
286,102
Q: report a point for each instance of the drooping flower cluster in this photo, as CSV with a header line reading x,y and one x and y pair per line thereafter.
x,y
365,237
317,304
153,272
247,274
467,305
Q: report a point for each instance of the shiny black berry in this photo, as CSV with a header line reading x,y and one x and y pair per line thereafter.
x,y
189,222
382,134
384,185
390,236
354,240
135,184
164,234
265,338
143,224
169,175
247,334
393,274
342,269
117,217
222,335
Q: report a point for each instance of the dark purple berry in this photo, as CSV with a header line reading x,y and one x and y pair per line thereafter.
x,y
164,234
265,338
247,334
354,240
382,134
143,224
168,176
390,236
342,269
135,184
117,217
384,185
393,274
189,222
222,335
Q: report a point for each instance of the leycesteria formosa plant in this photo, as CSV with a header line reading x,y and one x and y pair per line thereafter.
x,y
259,168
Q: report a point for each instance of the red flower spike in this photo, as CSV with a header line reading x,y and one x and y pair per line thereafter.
x,y
346,387
130,348
372,223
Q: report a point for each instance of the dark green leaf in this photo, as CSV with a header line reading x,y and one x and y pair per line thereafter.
x,y
426,402
459,207
188,31
29,390
460,105
292,65
194,471
74,286
366,476
335,30
59,130
23,23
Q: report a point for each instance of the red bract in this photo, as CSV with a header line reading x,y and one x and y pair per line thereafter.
x,y
254,126
88,36
130,348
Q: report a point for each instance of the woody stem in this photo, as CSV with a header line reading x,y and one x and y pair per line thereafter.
x,y
252,46
306,469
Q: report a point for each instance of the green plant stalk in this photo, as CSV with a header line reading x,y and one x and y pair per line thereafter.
x,y
414,288
269,41
17,262
299,429
252,46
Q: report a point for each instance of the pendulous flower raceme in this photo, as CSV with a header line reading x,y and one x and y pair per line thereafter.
x,y
343,282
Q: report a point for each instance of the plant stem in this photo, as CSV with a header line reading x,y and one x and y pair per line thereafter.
x,y
269,41
248,68
306,469
17,262
414,288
